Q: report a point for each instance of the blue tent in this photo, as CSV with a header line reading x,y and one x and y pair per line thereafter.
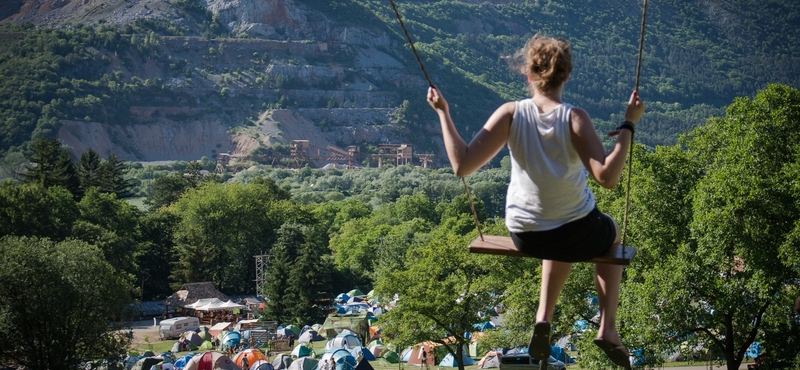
x,y
484,326
342,297
754,350
340,309
364,352
231,338
406,355
181,362
450,361
580,325
343,359
561,355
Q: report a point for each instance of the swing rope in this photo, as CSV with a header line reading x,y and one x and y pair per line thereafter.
x,y
630,149
408,37
630,155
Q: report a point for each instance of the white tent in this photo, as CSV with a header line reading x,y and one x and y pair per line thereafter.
x,y
213,304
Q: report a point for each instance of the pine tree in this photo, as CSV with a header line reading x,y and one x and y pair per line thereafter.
x,y
89,169
49,165
308,281
112,177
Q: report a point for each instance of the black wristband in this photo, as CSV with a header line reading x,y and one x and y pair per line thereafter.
x,y
628,125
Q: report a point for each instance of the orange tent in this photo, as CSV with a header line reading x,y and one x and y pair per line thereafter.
x,y
252,356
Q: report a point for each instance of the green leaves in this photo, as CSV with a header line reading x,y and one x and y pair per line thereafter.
x,y
56,301
716,225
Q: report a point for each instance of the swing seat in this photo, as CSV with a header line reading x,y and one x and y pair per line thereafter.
x,y
504,246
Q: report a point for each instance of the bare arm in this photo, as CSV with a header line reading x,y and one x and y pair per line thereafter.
x,y
606,168
464,158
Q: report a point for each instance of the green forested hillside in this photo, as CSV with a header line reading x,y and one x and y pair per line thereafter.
x,y
698,56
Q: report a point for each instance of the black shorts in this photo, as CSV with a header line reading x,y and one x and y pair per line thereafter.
x,y
575,241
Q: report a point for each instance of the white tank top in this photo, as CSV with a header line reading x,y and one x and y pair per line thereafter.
x,y
548,180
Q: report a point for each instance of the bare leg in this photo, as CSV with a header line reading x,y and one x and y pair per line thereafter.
x,y
607,279
554,275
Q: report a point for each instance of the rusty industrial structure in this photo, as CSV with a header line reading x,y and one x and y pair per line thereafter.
x,y
302,152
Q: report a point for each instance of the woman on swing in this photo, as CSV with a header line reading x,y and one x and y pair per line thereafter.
x,y
550,210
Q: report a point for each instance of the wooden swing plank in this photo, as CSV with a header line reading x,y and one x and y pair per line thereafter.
x,y
504,246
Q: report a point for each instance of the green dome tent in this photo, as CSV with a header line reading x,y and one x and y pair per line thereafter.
x,y
355,293
206,346
390,357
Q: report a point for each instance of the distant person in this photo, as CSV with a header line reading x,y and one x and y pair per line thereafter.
x,y
551,212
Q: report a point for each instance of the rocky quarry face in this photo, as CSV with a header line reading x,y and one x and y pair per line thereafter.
x,y
294,76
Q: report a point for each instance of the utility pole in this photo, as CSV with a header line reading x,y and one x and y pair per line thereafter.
x,y
262,262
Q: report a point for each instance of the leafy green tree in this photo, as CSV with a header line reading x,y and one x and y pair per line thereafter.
x,y
56,301
154,254
409,207
232,223
442,290
111,225
31,210
722,270
167,190
355,248
299,278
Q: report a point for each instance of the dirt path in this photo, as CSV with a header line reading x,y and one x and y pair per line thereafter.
x,y
143,330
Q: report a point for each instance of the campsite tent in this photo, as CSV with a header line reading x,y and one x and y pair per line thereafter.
x,y
231,338
183,360
335,323
422,355
561,355
310,336
361,352
252,355
355,293
375,341
219,328
490,360
450,361
301,350
294,329
484,326
146,362
183,345
211,361
281,362
206,346
406,354
303,363
261,365
342,359
364,365
343,341
342,298
390,357
378,350
193,337
286,333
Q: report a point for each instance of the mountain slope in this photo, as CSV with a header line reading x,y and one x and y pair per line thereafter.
x,y
342,71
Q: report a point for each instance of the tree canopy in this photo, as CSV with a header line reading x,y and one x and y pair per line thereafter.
x,y
56,301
